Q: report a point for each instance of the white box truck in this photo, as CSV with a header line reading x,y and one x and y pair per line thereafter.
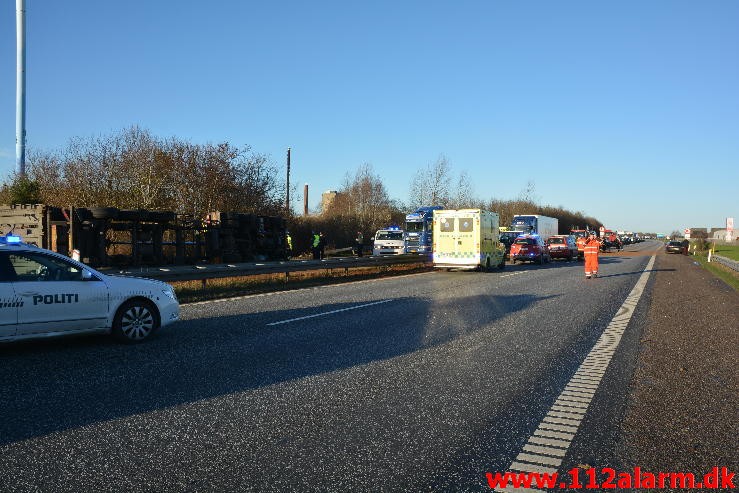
x,y
534,224
467,239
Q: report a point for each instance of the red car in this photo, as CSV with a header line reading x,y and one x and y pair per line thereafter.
x,y
530,248
562,246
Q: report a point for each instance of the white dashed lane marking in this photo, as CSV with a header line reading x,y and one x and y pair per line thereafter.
x,y
329,313
546,448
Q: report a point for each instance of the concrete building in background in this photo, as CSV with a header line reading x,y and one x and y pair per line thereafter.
x,y
327,198
722,234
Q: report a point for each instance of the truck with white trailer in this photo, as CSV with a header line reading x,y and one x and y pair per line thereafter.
x,y
535,224
467,239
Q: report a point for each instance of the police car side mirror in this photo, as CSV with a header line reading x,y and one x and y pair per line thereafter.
x,y
86,275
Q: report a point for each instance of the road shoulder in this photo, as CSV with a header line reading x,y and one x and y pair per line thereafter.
x,y
683,399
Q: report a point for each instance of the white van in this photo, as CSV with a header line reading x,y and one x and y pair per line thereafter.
x,y
467,239
390,241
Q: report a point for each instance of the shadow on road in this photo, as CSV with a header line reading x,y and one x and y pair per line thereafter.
x,y
61,384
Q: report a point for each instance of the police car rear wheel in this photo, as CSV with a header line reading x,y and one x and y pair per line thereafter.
x,y
135,321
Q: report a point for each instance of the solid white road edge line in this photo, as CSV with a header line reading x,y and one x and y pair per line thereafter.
x,y
592,368
329,313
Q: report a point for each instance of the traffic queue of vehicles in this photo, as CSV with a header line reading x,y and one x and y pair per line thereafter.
x,y
530,238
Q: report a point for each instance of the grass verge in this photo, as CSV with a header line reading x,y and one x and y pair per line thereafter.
x,y
729,276
210,289
728,251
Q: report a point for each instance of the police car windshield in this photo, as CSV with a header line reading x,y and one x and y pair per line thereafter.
x,y
525,241
390,235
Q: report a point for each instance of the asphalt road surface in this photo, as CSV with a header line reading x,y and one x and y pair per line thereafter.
x,y
417,383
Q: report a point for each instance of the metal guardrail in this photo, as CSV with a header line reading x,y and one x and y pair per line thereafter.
x,y
731,264
220,271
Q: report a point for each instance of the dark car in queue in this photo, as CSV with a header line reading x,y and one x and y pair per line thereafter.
x,y
674,247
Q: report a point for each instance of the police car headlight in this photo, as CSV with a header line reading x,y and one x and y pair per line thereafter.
x,y
169,293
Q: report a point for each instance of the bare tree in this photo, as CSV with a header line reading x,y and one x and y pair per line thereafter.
x,y
431,185
364,199
463,195
133,169
528,194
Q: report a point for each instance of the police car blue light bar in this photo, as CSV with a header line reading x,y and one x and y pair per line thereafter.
x,y
10,239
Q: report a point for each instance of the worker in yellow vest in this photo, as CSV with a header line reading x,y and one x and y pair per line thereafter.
x,y
315,246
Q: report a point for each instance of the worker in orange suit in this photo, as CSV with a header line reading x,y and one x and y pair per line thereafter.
x,y
592,246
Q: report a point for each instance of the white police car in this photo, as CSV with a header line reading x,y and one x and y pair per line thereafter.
x,y
390,241
45,294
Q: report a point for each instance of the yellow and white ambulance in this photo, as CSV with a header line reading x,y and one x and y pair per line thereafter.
x,y
467,239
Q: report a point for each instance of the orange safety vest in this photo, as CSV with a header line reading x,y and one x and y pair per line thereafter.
x,y
592,247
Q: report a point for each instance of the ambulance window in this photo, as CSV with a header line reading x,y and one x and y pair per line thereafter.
x,y
447,225
465,224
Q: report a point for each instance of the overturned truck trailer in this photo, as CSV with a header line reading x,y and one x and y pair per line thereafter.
x,y
112,237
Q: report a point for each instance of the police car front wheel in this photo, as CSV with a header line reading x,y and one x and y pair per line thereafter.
x,y
135,321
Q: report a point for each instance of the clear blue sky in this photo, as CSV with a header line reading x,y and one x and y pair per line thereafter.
x,y
625,110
